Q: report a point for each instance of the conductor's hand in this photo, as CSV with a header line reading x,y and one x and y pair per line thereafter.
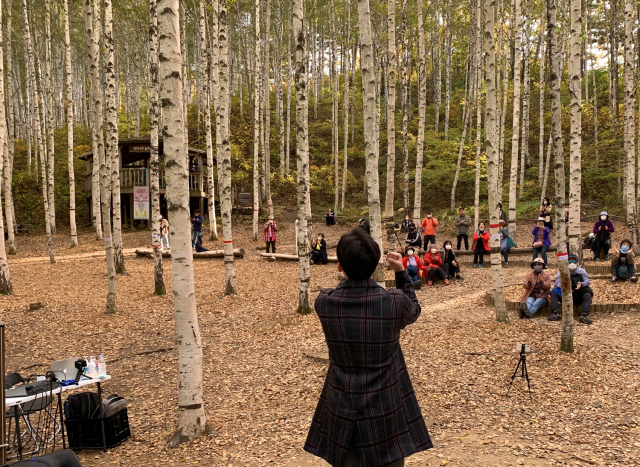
x,y
395,261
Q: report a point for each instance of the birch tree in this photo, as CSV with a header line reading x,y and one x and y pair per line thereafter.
x,y
70,103
526,98
478,93
543,85
158,268
256,125
302,150
48,105
192,419
491,144
629,121
391,110
266,153
9,142
513,179
224,151
345,106
449,51
422,95
406,86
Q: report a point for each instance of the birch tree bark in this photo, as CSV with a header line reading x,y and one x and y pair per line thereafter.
x,y
526,98
437,81
629,120
513,179
334,118
256,125
267,111
345,105
158,269
8,171
224,153
302,150
449,51
556,133
49,116
478,92
289,86
192,421
543,85
70,103
185,80
406,83
391,111
491,143
422,95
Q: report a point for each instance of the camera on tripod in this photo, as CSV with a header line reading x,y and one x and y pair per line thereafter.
x,y
523,348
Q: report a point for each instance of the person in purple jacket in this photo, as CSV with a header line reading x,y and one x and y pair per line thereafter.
x,y
602,229
541,240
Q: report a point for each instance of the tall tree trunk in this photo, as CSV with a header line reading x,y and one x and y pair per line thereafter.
x,y
556,132
422,96
391,111
158,269
543,85
437,79
478,92
256,125
8,170
192,418
267,111
31,67
334,112
289,86
345,105
48,91
503,114
526,98
279,85
302,150
491,143
629,122
449,51
406,86
70,102
513,179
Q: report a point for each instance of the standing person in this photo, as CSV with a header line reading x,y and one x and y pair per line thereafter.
x,y
545,213
580,291
500,212
364,225
368,413
541,240
433,264
319,250
164,233
413,237
603,229
505,242
330,217
462,222
480,245
270,236
413,265
623,263
536,289
406,223
196,222
429,224
450,263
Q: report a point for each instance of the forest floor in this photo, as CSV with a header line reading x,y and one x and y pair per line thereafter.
x,y
264,365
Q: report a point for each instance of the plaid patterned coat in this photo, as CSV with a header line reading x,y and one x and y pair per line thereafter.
x,y
367,400
270,232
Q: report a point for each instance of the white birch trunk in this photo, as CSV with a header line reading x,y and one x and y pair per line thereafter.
x,y
191,414
406,86
629,121
256,125
345,105
8,172
48,96
335,104
70,113
267,111
543,85
391,110
290,85
437,82
513,179
448,52
478,86
422,95
526,99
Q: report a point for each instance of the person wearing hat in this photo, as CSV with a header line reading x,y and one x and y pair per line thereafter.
x,y
433,264
413,237
505,243
364,225
603,229
429,224
623,263
462,223
537,285
580,291
270,236
413,265
541,240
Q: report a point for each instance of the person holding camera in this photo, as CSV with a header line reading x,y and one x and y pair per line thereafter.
x,y
462,223
623,263
603,229
537,285
319,250
368,413
541,240
433,264
413,265
480,245
270,236
545,212
413,237
580,291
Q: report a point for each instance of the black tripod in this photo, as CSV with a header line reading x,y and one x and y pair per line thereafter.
x,y
524,374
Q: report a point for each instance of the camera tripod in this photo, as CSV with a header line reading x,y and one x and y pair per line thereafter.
x,y
524,374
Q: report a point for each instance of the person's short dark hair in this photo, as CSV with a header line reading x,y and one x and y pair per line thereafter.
x,y
196,211
429,211
460,209
358,254
321,234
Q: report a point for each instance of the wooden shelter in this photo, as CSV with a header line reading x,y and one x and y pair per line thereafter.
x,y
134,172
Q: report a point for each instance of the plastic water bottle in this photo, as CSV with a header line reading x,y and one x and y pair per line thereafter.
x,y
102,366
93,369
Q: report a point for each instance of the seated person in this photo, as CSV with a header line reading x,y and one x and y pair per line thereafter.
x,y
330,217
413,265
590,241
319,250
541,240
580,290
536,285
450,263
433,264
406,223
413,237
623,263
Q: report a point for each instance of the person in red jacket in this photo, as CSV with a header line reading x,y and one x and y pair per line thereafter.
x,y
413,265
428,225
480,247
433,264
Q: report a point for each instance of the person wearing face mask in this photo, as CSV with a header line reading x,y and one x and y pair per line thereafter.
x,y
580,291
623,263
536,289
506,243
406,223
462,223
480,245
319,250
330,217
449,262
541,240
270,235
603,229
545,213
429,224
433,264
413,237
413,265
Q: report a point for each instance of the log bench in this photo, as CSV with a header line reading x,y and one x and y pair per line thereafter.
x,y
148,252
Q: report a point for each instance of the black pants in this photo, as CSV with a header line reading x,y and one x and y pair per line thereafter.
x,y
466,241
437,271
317,257
450,270
273,246
427,239
579,298
478,253
602,245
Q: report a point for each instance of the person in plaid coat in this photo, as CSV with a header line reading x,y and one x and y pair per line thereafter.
x,y
368,414
270,236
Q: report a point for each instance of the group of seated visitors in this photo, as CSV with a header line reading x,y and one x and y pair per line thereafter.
x,y
435,264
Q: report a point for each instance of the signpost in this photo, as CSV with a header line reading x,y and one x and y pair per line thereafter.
x,y
141,202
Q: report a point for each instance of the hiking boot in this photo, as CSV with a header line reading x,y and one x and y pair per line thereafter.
x,y
554,317
584,319
506,264
614,279
634,279
417,285
459,277
523,310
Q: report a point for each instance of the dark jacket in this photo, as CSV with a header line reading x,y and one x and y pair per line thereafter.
x,y
365,226
405,224
367,399
413,239
601,232
197,223
331,218
321,253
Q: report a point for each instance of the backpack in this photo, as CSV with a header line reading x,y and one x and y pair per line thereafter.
x,y
65,458
82,406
